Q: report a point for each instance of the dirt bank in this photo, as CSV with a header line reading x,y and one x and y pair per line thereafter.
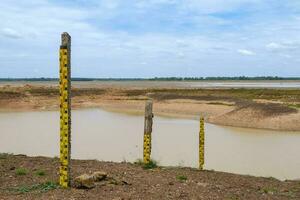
x,y
23,177
256,108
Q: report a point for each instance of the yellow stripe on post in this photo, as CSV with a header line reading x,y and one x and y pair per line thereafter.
x,y
147,148
148,131
201,144
65,110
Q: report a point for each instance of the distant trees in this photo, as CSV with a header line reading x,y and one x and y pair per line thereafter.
x,y
224,78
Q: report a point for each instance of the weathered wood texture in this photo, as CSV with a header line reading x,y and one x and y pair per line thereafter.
x,y
148,131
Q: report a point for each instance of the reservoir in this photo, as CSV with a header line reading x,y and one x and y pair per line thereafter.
x,y
108,136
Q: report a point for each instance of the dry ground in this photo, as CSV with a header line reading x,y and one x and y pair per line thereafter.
x,y
135,182
276,109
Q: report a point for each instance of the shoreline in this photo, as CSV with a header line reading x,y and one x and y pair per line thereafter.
x,y
248,108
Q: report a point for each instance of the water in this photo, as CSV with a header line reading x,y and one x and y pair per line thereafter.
x,y
283,84
107,136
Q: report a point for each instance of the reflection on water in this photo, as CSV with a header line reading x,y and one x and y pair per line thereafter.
x,y
102,135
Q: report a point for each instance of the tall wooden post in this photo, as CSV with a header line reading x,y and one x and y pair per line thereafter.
x,y
65,109
201,144
148,131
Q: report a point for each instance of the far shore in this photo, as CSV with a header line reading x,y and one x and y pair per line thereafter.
x,y
276,109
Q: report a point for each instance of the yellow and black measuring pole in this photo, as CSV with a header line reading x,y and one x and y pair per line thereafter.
x,y
201,144
148,132
65,109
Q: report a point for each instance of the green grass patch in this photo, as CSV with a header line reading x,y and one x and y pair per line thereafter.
x,y
181,178
297,106
21,171
151,165
42,187
40,173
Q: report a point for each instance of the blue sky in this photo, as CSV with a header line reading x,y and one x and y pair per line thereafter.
x,y
148,38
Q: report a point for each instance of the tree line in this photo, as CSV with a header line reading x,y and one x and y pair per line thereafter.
x,y
218,78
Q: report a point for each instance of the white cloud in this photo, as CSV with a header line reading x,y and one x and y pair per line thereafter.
x,y
274,45
115,37
283,47
11,33
246,52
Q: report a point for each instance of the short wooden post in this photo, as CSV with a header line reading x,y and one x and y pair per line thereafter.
x,y
147,131
65,109
201,144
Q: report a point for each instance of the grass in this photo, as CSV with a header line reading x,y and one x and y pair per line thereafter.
x,y
41,187
221,94
284,95
151,165
4,155
296,106
181,178
40,173
21,171
268,190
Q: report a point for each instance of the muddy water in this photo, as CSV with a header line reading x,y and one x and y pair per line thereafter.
x,y
107,136
167,84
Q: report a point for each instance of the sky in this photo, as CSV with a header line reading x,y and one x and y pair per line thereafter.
x,y
151,38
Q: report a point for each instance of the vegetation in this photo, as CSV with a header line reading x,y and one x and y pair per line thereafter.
x,y
21,171
151,165
181,177
4,155
268,190
40,173
296,106
218,95
42,187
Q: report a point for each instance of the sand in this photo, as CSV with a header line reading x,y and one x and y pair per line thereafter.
x,y
253,108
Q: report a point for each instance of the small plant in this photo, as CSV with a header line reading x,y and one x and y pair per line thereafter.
x,y
269,190
42,187
48,186
181,178
151,165
21,171
40,173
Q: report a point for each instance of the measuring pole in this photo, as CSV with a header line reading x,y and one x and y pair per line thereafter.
x,y
201,144
148,131
65,109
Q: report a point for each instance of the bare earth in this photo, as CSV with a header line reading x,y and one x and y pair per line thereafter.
x,y
276,109
258,108
134,182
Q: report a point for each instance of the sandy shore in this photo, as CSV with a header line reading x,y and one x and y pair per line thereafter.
x,y
23,177
276,109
